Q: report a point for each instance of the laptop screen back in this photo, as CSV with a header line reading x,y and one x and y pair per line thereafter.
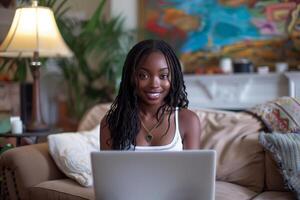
x,y
124,175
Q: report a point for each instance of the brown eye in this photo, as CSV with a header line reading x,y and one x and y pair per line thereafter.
x,y
164,76
143,76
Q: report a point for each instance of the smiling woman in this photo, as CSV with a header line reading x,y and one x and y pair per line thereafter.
x,y
150,111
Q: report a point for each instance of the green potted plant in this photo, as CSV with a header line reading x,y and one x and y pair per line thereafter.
x,y
99,48
99,45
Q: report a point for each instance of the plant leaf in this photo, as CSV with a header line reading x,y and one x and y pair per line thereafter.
x,y
94,20
59,7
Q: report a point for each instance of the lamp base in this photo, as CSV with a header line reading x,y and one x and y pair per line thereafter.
x,y
36,123
37,127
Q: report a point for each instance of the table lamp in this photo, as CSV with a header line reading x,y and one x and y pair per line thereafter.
x,y
34,34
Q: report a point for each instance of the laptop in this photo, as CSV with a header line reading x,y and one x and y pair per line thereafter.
x,y
128,175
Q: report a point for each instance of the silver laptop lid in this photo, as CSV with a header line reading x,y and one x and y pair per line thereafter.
x,y
184,175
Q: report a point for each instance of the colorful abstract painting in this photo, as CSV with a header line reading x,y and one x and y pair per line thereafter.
x,y
210,25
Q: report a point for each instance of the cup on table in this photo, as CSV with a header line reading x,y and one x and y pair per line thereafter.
x,y
16,125
263,69
281,67
226,65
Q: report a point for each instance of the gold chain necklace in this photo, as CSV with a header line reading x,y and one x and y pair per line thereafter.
x,y
149,136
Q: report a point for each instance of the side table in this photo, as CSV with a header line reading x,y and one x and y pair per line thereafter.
x,y
37,135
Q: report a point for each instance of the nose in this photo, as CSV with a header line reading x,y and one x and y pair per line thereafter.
x,y
154,82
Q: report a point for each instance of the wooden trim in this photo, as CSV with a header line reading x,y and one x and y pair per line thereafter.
x,y
141,19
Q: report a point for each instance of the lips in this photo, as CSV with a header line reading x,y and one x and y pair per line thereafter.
x,y
153,95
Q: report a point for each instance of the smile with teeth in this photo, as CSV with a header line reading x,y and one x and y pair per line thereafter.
x,y
153,95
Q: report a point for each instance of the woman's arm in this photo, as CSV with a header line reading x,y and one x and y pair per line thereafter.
x,y
105,142
190,129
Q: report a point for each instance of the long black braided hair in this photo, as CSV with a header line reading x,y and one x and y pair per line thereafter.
x,y
123,117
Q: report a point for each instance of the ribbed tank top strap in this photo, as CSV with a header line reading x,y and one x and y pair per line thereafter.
x,y
176,123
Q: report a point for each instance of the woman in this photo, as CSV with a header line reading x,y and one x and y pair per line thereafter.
x,y
150,111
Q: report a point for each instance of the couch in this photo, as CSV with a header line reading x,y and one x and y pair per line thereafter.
x,y
244,169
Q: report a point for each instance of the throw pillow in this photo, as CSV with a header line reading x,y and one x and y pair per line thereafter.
x,y
71,153
285,149
281,115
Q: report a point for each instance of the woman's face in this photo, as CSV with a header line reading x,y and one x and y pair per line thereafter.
x,y
152,79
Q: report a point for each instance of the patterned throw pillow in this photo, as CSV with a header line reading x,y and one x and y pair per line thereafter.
x,y
281,115
285,149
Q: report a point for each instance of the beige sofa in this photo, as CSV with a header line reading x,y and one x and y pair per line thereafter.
x,y
244,171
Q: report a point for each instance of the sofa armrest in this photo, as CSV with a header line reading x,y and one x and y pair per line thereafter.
x,y
23,167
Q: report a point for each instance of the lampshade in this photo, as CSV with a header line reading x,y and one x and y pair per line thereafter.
x,y
34,30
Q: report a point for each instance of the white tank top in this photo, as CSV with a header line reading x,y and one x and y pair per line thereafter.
x,y
175,145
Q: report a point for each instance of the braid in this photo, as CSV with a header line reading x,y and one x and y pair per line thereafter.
x,y
123,117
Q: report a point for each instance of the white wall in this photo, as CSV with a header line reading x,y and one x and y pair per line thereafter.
x,y
80,9
128,9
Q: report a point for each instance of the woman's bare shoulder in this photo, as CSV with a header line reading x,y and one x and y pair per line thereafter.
x,y
104,134
190,129
103,122
188,115
188,119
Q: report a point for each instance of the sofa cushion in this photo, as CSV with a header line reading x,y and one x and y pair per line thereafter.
x,y
275,196
93,117
274,180
71,153
229,191
279,115
60,189
286,151
240,158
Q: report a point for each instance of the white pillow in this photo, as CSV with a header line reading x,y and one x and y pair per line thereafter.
x,y
71,153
